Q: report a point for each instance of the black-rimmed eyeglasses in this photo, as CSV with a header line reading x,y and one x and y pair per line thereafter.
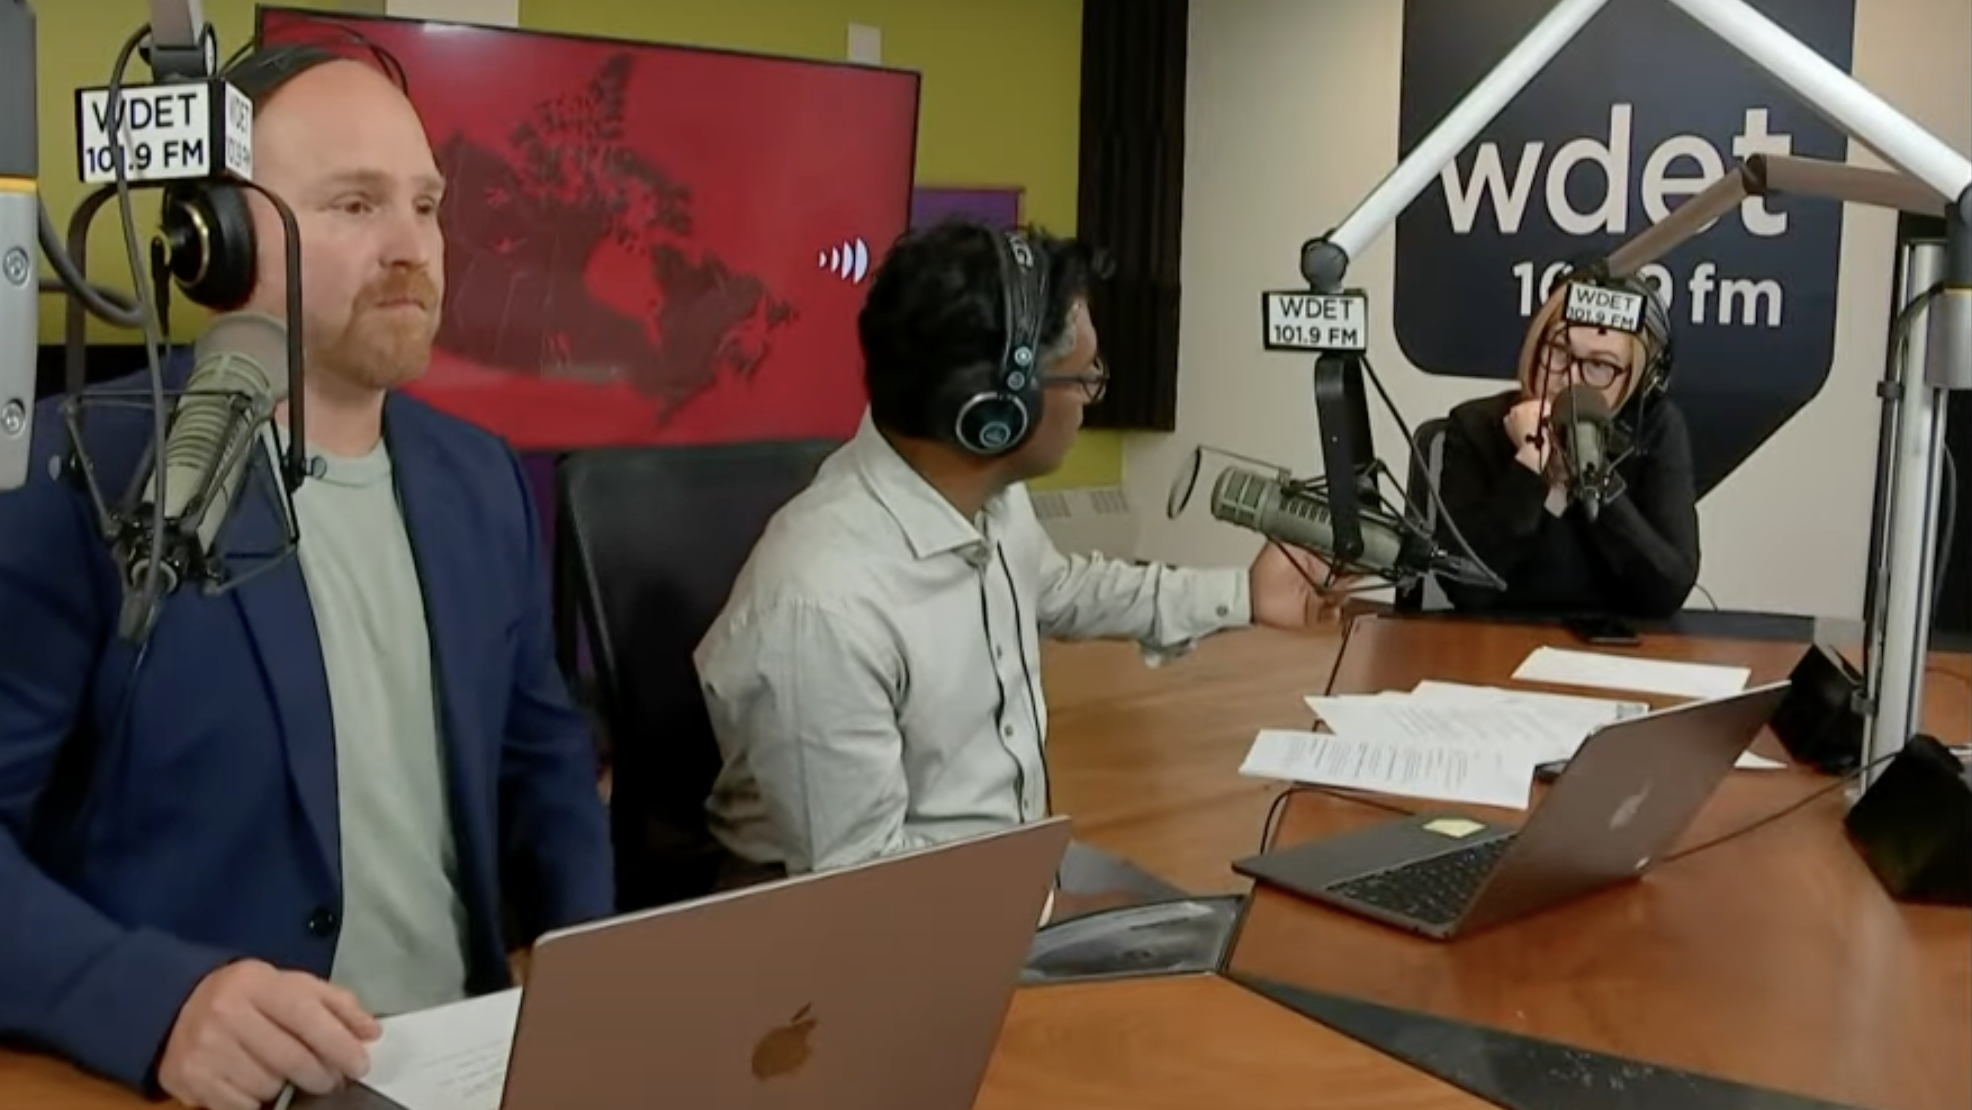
x,y
1094,381
1558,359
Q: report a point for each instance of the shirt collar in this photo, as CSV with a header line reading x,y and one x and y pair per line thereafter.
x,y
931,524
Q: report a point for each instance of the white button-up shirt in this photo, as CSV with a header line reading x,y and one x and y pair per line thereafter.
x,y
874,679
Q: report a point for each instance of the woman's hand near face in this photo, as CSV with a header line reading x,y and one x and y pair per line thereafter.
x,y
1523,430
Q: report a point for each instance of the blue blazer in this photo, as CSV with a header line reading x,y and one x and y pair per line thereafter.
x,y
144,845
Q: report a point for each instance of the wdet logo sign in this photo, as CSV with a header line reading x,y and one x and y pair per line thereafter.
x,y
1642,110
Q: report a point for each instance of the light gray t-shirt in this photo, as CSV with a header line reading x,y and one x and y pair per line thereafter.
x,y
402,945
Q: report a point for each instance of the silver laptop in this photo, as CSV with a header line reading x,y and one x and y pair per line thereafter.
x,y
879,987
1630,791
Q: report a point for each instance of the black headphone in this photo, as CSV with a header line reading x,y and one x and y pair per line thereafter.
x,y
205,227
999,417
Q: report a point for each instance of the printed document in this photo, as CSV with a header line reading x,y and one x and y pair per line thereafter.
x,y
1412,767
448,1057
1585,714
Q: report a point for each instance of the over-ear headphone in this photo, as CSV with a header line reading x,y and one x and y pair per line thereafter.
x,y
205,227
998,418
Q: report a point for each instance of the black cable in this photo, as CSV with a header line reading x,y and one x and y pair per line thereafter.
x,y
1274,811
1796,804
1713,601
1430,480
1027,674
153,342
1946,533
107,305
109,741
1901,327
1000,713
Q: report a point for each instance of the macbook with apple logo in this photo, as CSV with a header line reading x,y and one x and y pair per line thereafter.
x,y
880,986
1629,792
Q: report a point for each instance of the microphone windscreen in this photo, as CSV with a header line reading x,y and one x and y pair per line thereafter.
x,y
243,352
1581,402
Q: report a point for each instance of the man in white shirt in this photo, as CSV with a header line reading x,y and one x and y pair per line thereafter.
x,y
874,678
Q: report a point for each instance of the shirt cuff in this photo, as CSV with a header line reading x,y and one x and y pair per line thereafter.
x,y
1210,601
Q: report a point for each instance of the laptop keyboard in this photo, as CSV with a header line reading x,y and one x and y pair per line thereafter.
x,y
1434,891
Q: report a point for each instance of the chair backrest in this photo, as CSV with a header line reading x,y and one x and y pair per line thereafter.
x,y
649,542
1427,460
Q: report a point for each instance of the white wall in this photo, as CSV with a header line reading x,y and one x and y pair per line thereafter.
x,y
1291,118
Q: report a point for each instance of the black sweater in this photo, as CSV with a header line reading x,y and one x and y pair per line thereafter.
x,y
1638,559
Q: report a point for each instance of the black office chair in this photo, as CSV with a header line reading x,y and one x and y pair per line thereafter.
x,y
648,543
1427,461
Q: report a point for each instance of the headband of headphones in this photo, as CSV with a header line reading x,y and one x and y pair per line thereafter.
x,y
1025,279
999,419
260,68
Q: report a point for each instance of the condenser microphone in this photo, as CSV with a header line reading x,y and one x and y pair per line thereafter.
x,y
1301,517
1579,422
239,375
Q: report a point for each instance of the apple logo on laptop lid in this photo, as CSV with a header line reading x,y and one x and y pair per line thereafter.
x,y
1627,812
784,1048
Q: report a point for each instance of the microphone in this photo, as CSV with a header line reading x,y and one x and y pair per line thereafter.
x,y
239,375
1579,422
1300,517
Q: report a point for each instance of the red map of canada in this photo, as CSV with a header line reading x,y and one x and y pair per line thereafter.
x,y
571,256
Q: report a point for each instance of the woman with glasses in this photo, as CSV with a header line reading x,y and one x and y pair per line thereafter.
x,y
1505,482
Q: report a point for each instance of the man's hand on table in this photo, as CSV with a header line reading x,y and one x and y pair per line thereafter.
x,y
250,1029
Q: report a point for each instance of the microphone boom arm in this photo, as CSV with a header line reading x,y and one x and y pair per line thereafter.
x,y
1764,175
1325,261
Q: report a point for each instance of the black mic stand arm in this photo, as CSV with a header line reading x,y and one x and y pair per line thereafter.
x,y
1943,349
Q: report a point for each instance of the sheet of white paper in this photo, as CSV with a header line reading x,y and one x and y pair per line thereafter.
x,y
448,1057
1548,726
1617,672
1526,731
1450,772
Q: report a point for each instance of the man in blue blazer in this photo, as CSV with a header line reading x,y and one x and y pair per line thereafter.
x,y
310,801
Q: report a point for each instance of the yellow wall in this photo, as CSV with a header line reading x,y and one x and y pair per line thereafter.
x,y
1001,99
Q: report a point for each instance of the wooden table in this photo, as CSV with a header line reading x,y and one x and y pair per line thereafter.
x,y
1148,1044
1773,958
1147,761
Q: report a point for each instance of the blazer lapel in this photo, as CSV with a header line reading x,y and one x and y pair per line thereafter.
x,y
449,567
281,621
